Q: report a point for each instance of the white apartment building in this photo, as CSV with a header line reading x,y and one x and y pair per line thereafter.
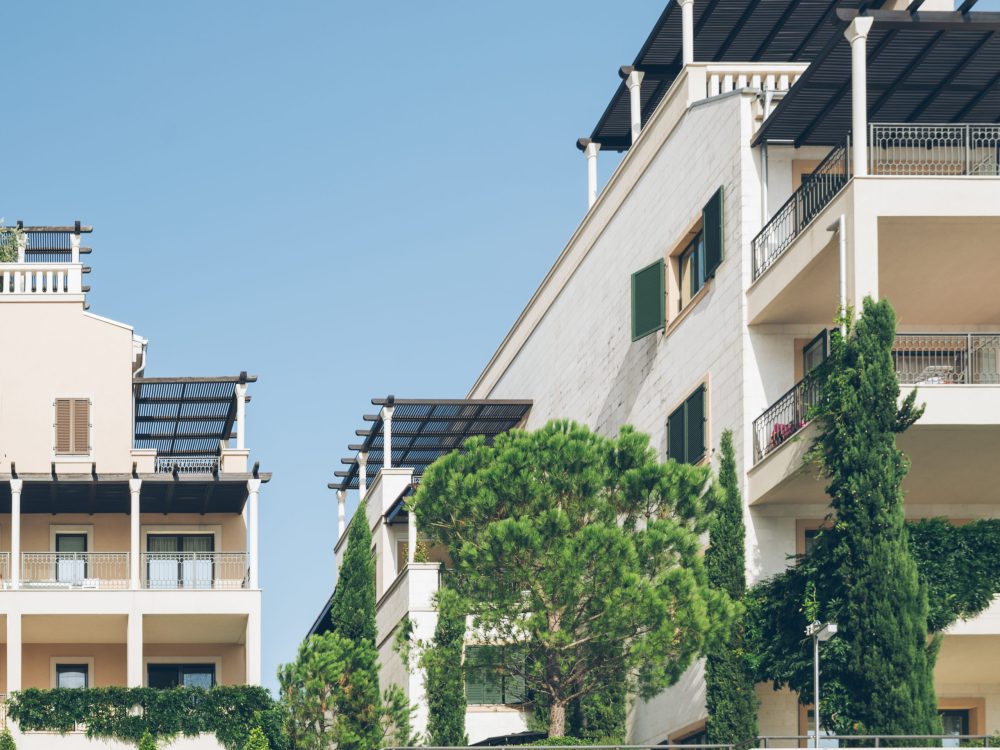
x,y
784,159
128,512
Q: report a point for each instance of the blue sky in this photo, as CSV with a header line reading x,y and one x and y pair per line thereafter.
x,y
346,199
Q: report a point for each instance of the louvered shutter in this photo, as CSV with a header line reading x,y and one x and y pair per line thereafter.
x,y
713,226
649,305
513,681
695,408
81,425
676,435
64,431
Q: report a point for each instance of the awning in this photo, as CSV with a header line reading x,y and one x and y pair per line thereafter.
x,y
924,67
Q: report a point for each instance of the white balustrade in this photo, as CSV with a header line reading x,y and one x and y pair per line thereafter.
x,y
40,279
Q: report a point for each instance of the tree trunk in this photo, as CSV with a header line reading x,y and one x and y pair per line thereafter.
x,y
557,719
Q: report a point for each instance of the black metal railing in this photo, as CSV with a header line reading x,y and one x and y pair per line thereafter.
x,y
784,417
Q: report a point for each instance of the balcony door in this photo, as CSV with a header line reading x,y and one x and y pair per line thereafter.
x,y
71,558
178,561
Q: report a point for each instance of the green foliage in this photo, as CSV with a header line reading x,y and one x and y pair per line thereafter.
x,y
146,742
352,611
445,678
878,673
592,543
10,240
7,741
600,717
562,742
729,684
257,740
228,712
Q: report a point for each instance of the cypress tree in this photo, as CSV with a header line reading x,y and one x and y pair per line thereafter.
x,y
445,677
729,683
885,672
352,610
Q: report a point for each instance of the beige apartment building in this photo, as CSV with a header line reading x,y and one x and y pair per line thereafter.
x,y
784,159
128,509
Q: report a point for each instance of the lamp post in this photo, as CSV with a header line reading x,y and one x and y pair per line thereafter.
x,y
818,631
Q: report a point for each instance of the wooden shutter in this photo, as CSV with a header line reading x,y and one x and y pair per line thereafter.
x,y
64,430
676,435
483,684
648,300
695,408
81,425
713,226
513,680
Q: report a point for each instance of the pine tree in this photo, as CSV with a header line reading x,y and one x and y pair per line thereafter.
x,y
147,742
445,678
885,675
352,611
256,740
729,683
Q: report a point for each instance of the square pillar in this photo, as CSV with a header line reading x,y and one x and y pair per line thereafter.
x,y
16,485
135,553
13,652
252,645
134,650
253,535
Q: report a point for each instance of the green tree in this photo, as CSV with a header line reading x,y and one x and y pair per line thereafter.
x,y
584,549
7,741
445,678
147,742
256,740
352,610
729,682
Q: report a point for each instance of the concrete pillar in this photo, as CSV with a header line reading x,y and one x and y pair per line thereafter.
x,y
634,83
13,652
411,538
252,644
857,35
362,475
687,31
135,551
253,527
341,512
590,151
133,650
387,435
241,416
16,485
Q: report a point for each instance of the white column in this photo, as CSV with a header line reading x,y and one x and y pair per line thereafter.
x,y
13,652
362,475
341,512
241,416
634,83
133,650
590,151
134,518
74,243
857,35
387,435
687,31
252,646
16,486
253,536
411,537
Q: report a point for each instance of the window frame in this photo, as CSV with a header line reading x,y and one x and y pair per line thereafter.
x,y
179,667
681,406
57,662
501,674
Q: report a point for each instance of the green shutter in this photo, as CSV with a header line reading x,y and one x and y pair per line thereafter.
x,y
483,684
513,680
695,425
676,435
648,300
713,226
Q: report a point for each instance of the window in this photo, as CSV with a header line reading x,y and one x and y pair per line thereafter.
x,y
180,561
180,675
489,681
72,426
697,737
648,300
699,259
72,675
691,267
810,540
956,722
815,352
686,429
71,558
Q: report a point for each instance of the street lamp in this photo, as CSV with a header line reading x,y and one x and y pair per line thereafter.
x,y
818,631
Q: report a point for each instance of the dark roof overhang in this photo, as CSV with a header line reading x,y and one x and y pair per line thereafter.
x,y
923,67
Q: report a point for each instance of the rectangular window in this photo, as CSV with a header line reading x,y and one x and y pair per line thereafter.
x,y
691,270
815,352
648,300
686,441
72,426
72,675
956,722
71,558
180,675
489,680
177,561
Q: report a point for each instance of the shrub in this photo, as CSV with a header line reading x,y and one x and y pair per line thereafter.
x,y
257,740
6,741
147,742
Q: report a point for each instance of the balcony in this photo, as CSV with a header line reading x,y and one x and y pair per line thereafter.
x,y
194,571
186,465
75,570
47,265
111,571
894,150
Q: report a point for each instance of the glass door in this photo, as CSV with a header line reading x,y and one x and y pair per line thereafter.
x,y
71,558
180,561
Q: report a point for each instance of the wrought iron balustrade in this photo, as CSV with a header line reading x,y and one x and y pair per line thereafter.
x,y
784,417
186,464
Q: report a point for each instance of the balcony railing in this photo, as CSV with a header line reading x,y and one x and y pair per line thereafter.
x,y
187,464
919,359
194,570
894,150
41,278
4,569
75,570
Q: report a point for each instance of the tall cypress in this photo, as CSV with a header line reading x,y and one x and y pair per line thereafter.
x,y
885,675
352,610
445,677
729,683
